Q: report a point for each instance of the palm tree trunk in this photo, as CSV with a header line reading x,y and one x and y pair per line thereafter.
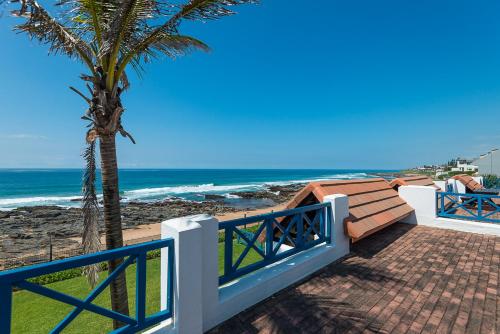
x,y
112,222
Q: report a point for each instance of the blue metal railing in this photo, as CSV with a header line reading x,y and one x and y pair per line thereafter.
x,y
478,207
301,228
136,253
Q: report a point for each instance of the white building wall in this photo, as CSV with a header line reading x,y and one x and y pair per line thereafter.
x,y
489,163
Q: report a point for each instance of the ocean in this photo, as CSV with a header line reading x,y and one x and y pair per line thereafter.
x,y
62,187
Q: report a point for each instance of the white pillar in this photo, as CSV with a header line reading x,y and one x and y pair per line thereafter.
x,y
340,211
210,268
188,275
441,184
423,200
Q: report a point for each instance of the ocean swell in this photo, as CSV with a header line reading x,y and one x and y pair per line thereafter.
x,y
186,192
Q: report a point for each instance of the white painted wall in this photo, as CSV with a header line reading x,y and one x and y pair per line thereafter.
x,y
200,304
441,184
423,200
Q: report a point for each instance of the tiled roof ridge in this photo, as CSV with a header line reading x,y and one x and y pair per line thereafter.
x,y
351,181
414,177
375,213
422,180
368,192
373,201
468,181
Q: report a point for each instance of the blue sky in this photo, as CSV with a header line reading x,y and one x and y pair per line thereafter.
x,y
288,84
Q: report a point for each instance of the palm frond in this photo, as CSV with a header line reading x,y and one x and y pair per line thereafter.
x,y
40,25
202,10
128,22
88,14
90,209
165,39
172,46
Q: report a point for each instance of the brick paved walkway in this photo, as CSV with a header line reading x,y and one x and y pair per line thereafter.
x,y
404,279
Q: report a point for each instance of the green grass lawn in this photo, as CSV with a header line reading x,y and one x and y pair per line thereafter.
x,y
33,313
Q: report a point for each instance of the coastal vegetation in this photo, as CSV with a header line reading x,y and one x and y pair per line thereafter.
x,y
109,37
491,181
432,174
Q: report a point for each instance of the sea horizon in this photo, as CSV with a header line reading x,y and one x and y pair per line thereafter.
x,y
21,187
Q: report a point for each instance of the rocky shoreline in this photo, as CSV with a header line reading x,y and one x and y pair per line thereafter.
x,y
28,230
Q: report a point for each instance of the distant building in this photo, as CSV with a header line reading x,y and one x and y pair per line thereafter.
x,y
463,165
489,163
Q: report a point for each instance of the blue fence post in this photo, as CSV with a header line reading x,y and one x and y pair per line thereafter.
x,y
322,227
300,230
228,250
170,278
442,209
6,308
269,237
479,207
329,220
140,289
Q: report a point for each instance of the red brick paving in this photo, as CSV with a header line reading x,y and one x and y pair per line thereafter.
x,y
403,279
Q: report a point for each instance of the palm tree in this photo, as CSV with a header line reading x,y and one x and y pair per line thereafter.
x,y
109,37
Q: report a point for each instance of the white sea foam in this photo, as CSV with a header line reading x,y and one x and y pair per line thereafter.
x,y
40,199
231,196
188,189
324,178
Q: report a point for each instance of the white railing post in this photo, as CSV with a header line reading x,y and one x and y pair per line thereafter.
x,y
210,269
340,211
188,274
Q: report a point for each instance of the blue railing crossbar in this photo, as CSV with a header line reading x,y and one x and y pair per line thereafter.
x,y
479,207
135,253
301,241
277,214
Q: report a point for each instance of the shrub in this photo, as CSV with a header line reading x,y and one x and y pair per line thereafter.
x,y
459,173
75,272
56,277
491,181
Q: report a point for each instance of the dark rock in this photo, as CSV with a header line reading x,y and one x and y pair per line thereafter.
x,y
47,214
20,236
214,197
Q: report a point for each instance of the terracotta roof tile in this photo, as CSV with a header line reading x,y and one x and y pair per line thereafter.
x,y
468,182
420,180
373,204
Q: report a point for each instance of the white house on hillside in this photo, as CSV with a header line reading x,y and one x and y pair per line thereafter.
x,y
464,166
